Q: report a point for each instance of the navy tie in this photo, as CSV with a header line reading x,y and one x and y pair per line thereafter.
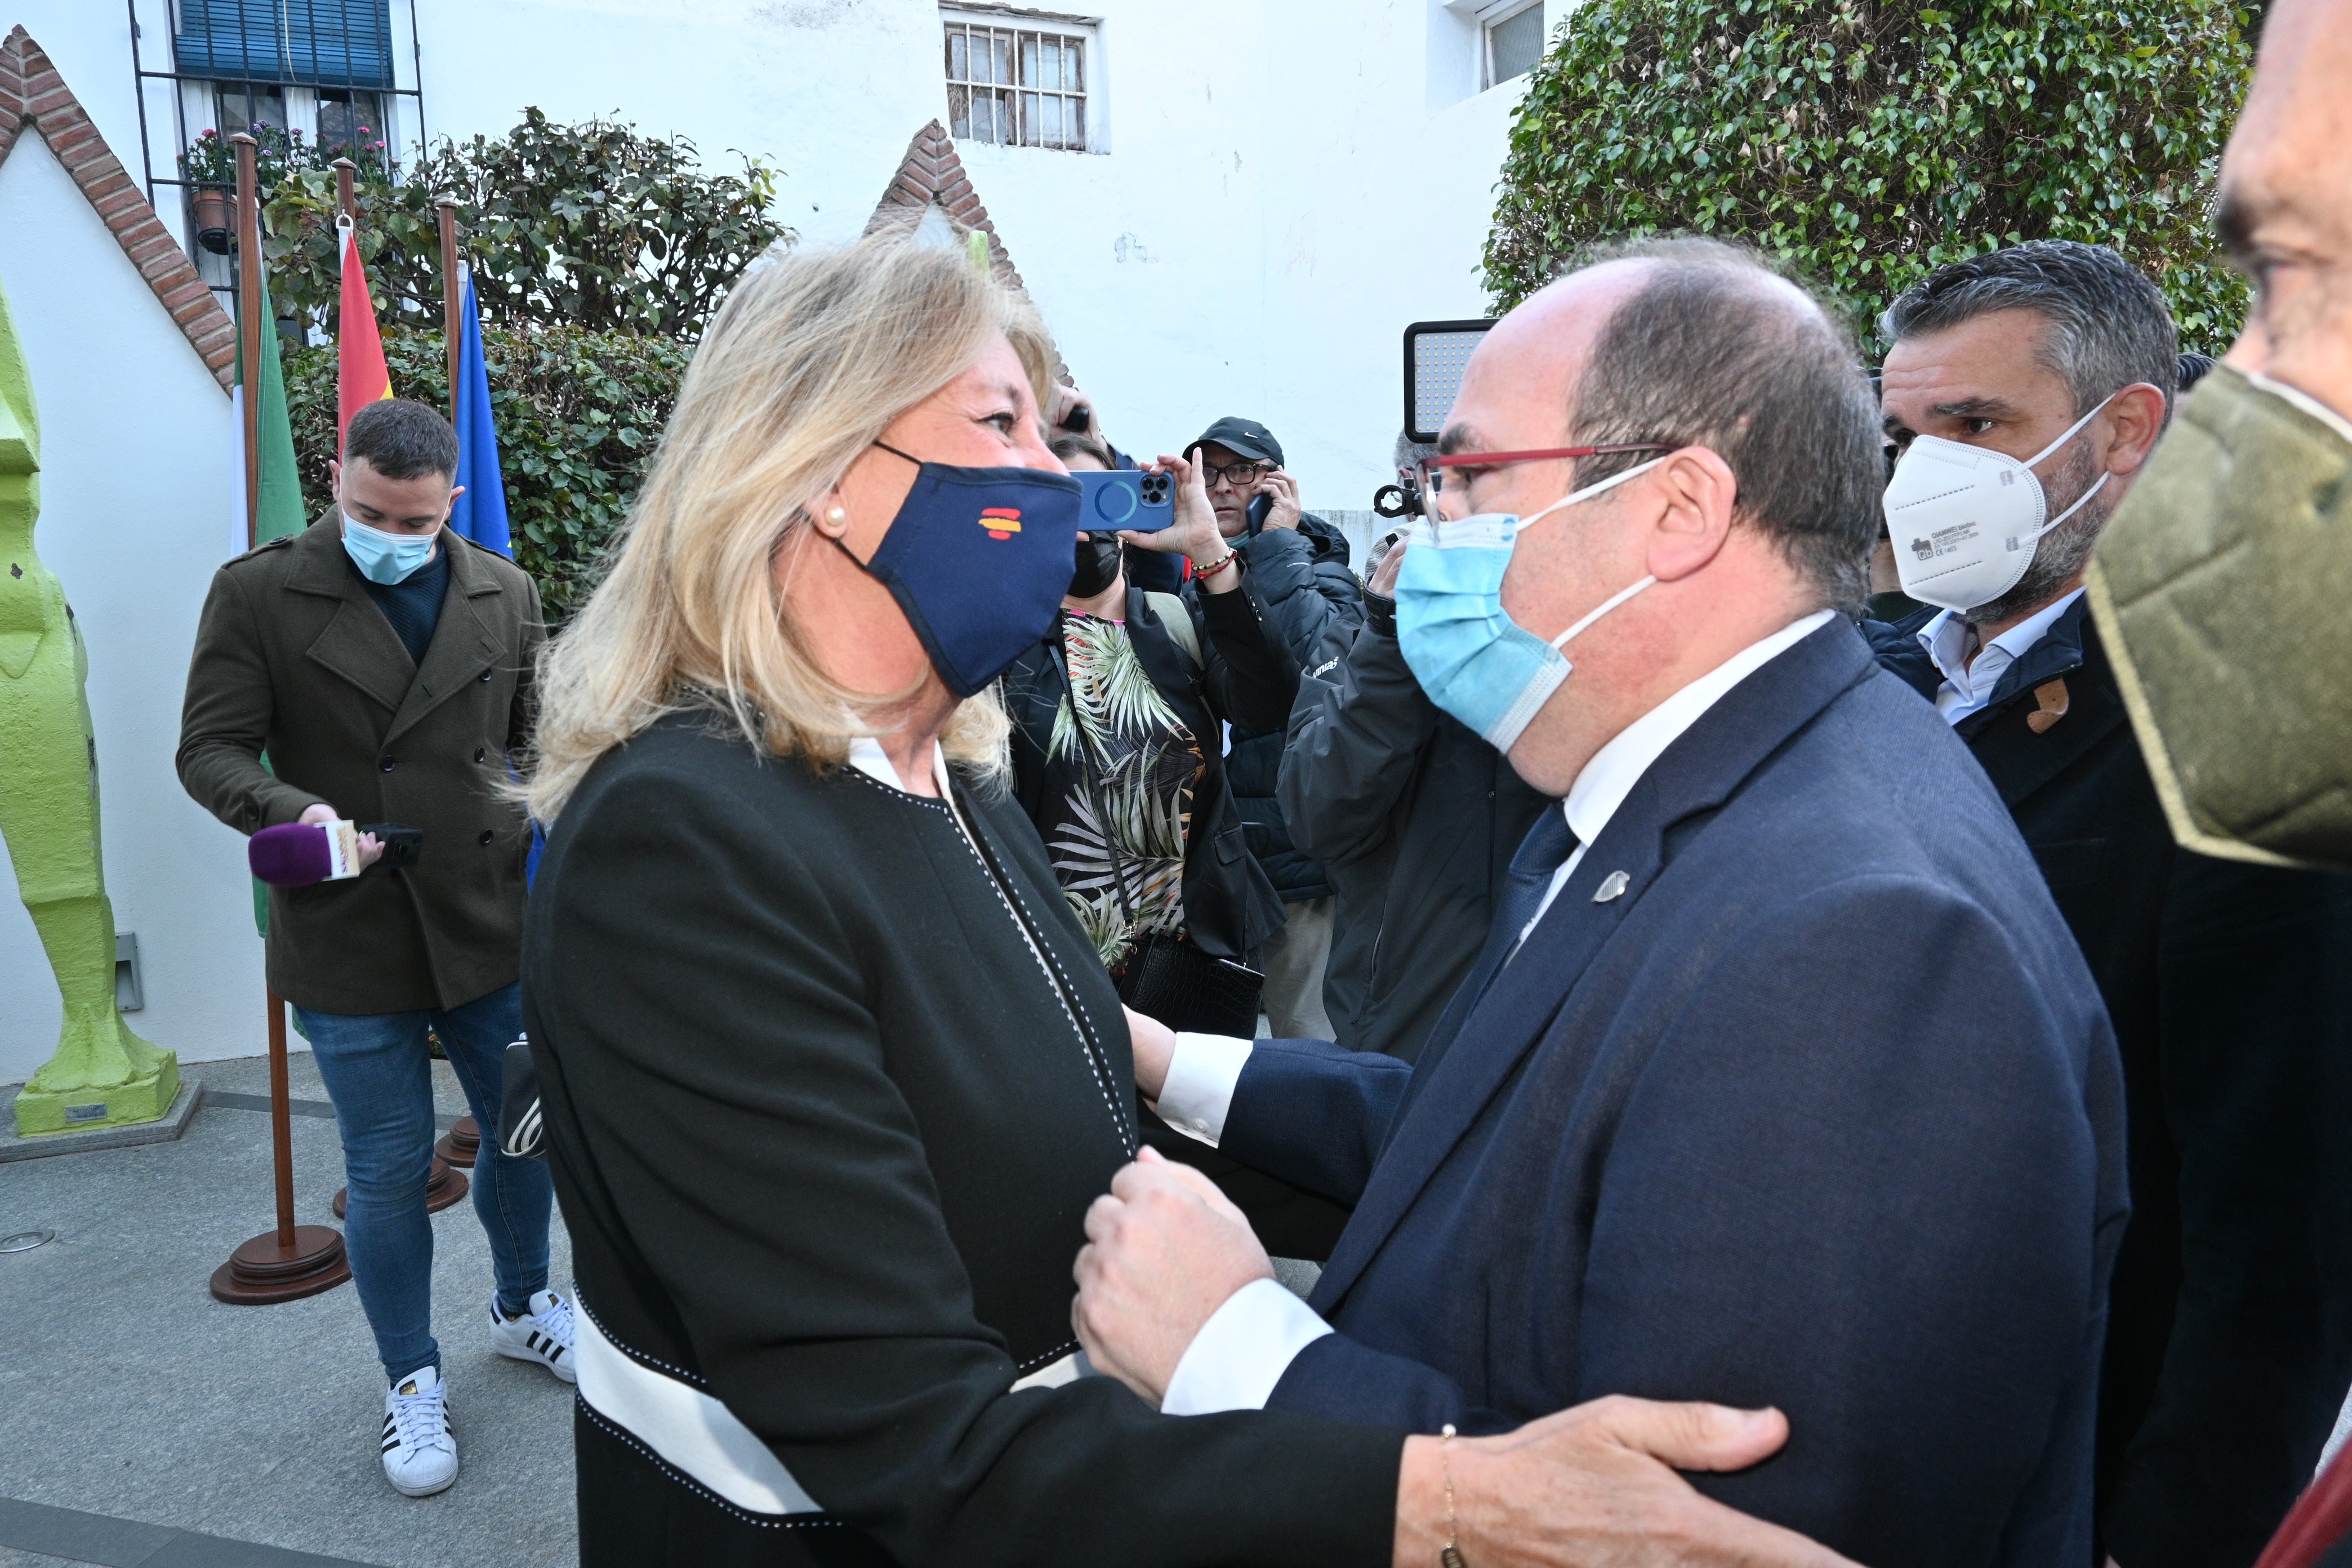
x,y
1542,853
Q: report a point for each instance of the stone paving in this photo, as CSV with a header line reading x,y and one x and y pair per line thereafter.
x,y
128,1393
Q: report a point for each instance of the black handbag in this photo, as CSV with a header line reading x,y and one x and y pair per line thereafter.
x,y
1168,979
1166,976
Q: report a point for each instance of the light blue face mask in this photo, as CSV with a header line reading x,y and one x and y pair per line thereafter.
x,y
1474,661
386,558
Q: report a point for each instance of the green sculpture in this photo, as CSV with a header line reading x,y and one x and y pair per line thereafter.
x,y
102,1074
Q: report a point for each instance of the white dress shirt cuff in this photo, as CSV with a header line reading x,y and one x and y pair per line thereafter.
x,y
1199,1085
1242,1351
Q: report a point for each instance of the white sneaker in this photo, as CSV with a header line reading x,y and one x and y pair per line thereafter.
x,y
543,1334
420,1456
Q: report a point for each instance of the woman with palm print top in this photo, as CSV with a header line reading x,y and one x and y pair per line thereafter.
x,y
1117,729
1119,718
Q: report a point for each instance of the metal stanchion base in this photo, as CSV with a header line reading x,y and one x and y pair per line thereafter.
x,y
262,1271
443,1188
462,1144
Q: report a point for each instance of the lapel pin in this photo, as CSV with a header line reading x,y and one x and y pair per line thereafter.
x,y
1612,886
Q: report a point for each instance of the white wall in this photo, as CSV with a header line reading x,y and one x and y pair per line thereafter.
x,y
135,449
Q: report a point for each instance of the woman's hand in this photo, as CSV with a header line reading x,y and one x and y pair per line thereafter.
x,y
1194,532
1595,1488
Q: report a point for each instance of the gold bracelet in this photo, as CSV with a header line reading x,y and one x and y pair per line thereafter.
x,y
1202,574
1451,1556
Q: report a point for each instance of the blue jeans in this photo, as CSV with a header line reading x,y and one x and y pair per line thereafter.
x,y
380,1075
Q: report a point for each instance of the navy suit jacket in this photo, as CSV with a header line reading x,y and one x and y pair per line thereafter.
x,y
1822,1112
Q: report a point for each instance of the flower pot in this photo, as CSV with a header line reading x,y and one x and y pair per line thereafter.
x,y
214,206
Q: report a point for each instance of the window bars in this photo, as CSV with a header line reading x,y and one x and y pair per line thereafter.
x,y
1017,86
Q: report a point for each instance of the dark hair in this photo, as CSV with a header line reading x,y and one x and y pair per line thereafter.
x,y
2192,369
2109,326
1709,351
402,438
1070,444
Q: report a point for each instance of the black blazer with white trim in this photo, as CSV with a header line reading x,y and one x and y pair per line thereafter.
x,y
830,1078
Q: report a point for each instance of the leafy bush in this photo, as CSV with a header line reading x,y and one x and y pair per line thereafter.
x,y
578,411
1869,140
589,226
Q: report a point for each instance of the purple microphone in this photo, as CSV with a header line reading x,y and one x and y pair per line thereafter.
x,y
296,853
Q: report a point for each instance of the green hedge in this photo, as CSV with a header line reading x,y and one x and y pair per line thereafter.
x,y
578,414
1867,142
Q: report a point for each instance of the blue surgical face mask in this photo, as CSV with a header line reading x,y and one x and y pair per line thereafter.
x,y
1474,661
979,560
386,558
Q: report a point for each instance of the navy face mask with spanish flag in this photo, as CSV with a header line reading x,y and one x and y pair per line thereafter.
x,y
979,560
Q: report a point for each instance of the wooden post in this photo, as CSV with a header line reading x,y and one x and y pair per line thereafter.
x,y
282,1122
452,297
291,1261
248,322
344,196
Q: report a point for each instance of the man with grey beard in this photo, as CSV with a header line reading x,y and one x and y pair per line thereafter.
x,y
2024,390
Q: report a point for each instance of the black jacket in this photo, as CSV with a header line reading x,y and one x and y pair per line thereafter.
x,y
1415,819
1245,679
2230,988
830,1082
1300,581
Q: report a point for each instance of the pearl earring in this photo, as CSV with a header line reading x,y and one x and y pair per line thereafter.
x,y
836,517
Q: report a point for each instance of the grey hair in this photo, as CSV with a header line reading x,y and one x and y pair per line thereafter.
x,y
2108,325
1709,351
1409,451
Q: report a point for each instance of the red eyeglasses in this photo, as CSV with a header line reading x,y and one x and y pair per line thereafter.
x,y
1431,469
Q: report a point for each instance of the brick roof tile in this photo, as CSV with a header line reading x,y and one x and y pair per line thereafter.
x,y
31,91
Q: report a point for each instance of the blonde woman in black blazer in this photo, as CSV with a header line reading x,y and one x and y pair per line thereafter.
x,y
831,1076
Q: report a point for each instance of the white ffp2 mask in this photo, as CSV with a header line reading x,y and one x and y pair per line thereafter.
x,y
1965,520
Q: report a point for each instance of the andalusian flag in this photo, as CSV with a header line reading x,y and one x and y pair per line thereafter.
x,y
281,513
361,378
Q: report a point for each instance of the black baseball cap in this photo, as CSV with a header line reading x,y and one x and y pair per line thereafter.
x,y
1242,438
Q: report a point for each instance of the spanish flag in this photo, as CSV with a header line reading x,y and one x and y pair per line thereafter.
x,y
361,378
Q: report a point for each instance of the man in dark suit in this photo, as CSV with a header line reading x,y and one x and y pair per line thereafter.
x,y
1780,1078
2229,984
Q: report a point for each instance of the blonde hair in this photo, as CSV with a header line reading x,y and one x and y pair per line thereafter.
x,y
811,358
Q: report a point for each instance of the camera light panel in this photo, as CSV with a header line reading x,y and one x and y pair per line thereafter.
x,y
1435,354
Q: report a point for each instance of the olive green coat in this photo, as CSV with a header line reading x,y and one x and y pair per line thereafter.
x,y
294,659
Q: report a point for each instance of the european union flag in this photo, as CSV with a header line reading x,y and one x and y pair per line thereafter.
x,y
481,513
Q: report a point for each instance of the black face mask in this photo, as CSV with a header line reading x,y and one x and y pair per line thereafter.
x,y
1098,564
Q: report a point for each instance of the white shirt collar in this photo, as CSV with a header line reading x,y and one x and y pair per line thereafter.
x,y
1947,635
866,755
1604,783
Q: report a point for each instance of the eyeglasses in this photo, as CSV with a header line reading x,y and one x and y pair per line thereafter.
x,y
1238,474
1431,471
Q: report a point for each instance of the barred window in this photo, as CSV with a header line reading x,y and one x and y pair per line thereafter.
x,y
1017,87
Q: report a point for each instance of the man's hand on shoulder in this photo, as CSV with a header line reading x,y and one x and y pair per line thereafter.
x,y
1597,1484
370,849
1165,1250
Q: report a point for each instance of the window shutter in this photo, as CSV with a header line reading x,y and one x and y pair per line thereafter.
x,y
316,43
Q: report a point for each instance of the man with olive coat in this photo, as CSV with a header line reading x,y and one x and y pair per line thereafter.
x,y
375,669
